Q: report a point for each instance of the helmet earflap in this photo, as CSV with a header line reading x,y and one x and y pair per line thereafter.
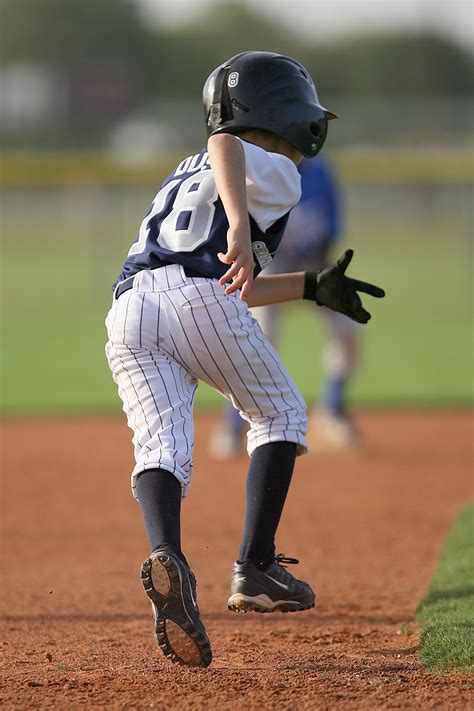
x,y
219,110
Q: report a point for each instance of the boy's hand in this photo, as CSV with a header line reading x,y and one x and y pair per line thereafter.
x,y
239,255
331,287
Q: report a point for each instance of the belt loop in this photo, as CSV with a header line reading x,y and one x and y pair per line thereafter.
x,y
123,286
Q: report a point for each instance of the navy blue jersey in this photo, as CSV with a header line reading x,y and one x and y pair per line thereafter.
x,y
187,225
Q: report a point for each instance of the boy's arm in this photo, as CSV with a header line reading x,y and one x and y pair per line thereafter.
x,y
327,287
275,288
227,160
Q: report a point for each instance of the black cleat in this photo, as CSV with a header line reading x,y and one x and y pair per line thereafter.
x,y
268,590
171,587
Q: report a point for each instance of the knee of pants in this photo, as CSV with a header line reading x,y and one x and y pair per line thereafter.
x,y
286,426
180,465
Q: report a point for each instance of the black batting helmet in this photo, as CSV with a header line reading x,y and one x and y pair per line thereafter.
x,y
267,91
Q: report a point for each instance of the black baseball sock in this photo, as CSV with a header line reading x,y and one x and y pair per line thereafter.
x,y
159,496
268,481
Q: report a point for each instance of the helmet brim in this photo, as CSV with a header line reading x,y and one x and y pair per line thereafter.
x,y
330,115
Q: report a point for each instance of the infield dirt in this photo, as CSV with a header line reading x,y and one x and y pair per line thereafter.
x,y
366,525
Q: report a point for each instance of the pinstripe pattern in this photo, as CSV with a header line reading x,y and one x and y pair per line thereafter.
x,y
170,331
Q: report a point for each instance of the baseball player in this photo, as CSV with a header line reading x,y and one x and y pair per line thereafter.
x,y
180,314
313,228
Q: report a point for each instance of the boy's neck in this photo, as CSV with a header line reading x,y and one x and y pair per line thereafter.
x,y
272,143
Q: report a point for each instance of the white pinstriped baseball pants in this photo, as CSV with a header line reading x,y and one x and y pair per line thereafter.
x,y
168,332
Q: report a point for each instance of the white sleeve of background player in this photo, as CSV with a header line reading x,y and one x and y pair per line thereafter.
x,y
273,185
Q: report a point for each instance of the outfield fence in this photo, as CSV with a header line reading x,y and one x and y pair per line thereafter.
x,y
368,166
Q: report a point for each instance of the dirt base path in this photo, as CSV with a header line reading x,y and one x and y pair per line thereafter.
x,y
367,527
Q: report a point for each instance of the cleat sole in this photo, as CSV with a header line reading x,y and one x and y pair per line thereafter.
x,y
181,640
262,603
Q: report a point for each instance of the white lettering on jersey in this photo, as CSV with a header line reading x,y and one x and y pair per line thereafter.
x,y
197,165
195,202
190,220
192,163
183,166
158,205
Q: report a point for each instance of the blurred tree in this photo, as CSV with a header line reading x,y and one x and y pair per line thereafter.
x,y
98,52
108,65
175,62
66,31
225,29
377,65
399,65
70,34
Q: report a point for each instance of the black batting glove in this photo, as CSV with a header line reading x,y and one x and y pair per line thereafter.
x,y
331,287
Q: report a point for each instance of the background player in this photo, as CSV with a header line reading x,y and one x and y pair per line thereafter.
x,y
314,226
180,314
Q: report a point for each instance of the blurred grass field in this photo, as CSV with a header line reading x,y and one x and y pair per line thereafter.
x,y
63,249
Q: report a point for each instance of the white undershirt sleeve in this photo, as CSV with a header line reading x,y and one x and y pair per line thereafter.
x,y
273,185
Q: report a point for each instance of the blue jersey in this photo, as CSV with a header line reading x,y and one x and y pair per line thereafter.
x,y
187,224
320,198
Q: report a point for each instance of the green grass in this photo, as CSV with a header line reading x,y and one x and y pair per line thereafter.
x,y
447,612
61,252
